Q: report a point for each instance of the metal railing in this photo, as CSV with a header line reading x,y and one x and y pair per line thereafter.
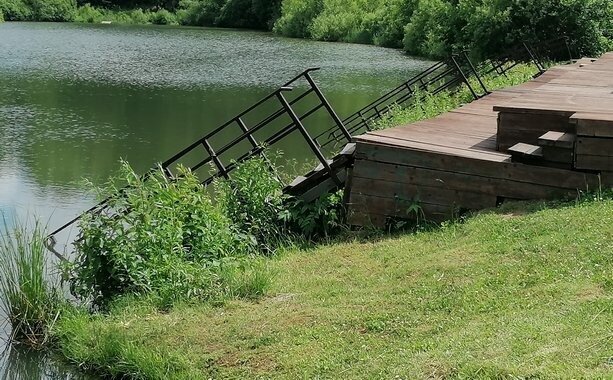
x,y
539,54
251,140
443,75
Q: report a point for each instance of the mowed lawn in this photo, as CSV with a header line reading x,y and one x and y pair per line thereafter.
x,y
507,294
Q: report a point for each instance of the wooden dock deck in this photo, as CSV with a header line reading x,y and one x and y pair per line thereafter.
x,y
550,137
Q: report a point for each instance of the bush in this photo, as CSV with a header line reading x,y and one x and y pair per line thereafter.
x,y
297,16
315,220
430,31
438,26
165,241
253,200
16,10
435,27
257,14
38,10
163,17
53,10
89,14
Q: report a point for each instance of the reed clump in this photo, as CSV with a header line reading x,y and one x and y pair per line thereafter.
x,y
29,299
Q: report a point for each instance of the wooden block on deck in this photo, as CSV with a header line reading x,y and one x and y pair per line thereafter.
x,y
557,139
516,128
595,163
594,146
348,150
562,179
521,149
560,155
593,124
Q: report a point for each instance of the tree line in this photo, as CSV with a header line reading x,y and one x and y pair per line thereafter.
x,y
430,28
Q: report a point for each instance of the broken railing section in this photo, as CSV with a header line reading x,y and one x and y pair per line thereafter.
x,y
443,75
247,135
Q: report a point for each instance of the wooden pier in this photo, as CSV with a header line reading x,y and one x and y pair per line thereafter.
x,y
547,138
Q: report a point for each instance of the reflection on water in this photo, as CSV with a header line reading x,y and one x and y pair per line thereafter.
x,y
20,363
75,98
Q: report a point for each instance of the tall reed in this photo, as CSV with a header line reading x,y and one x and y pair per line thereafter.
x,y
27,297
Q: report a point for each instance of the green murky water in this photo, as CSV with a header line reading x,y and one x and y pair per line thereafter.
x,y
75,98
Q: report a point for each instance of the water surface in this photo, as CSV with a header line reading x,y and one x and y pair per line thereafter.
x,y
76,98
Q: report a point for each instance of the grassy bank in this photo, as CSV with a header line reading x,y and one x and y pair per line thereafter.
x,y
522,292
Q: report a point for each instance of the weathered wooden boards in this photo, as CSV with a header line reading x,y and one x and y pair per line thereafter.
x,y
594,145
387,182
437,167
319,181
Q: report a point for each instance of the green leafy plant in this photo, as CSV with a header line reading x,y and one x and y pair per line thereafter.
x,y
159,236
320,218
253,199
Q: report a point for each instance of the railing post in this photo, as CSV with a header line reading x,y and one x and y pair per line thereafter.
x,y
474,70
256,147
570,55
220,167
322,98
459,69
307,137
534,58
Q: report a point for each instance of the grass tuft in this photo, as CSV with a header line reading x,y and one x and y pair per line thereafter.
x,y
31,302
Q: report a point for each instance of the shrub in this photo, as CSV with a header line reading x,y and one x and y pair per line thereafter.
x,y
15,10
163,17
257,14
199,12
253,200
53,10
31,302
435,27
296,17
165,241
317,219
87,13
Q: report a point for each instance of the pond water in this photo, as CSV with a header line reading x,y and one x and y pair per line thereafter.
x,y
74,99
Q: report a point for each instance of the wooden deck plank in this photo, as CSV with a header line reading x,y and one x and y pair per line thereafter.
x,y
500,168
454,180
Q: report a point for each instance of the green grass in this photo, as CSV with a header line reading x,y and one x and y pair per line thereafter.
x,y
27,297
521,292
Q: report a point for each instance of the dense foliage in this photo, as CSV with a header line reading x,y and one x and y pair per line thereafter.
x,y
435,27
257,14
38,10
422,27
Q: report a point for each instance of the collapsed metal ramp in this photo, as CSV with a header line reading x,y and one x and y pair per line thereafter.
x,y
289,109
